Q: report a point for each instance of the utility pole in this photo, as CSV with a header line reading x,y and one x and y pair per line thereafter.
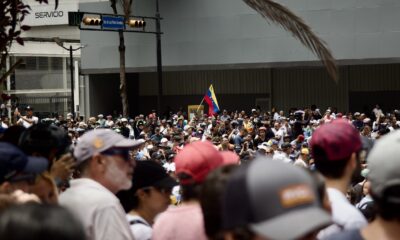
x,y
159,60
71,68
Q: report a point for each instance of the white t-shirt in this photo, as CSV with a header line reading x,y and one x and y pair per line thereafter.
x,y
169,167
343,214
27,124
98,209
109,123
141,229
281,156
3,125
301,163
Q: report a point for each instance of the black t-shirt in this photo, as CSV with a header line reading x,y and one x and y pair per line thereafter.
x,y
257,141
347,235
269,134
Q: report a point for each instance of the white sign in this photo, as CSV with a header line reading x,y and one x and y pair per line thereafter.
x,y
45,14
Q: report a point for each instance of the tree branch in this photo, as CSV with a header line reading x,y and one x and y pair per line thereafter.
x,y
10,71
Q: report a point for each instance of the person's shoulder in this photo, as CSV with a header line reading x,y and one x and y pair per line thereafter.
x,y
178,211
140,228
343,212
164,218
90,192
353,234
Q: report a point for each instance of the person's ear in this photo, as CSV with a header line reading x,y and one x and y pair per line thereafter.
x,y
353,162
97,161
141,194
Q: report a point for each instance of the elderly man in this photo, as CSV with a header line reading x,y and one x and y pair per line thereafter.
x,y
105,167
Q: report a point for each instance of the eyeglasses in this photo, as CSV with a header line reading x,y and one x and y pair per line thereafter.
x,y
124,153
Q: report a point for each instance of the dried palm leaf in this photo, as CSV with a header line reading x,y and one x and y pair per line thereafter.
x,y
282,16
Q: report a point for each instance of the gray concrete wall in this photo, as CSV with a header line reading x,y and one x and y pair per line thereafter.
x,y
227,34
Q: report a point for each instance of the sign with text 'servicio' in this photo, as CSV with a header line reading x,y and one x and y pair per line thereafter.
x,y
113,22
45,15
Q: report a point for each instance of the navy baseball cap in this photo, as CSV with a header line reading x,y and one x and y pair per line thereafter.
x,y
16,166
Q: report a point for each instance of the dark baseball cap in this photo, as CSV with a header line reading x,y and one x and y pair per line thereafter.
x,y
151,174
338,140
274,199
15,165
286,145
157,156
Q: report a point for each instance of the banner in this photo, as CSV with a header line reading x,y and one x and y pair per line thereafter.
x,y
195,110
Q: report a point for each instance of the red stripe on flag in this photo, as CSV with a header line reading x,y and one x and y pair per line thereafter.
x,y
210,105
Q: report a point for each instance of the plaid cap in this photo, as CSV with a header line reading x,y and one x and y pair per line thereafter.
x,y
338,139
99,140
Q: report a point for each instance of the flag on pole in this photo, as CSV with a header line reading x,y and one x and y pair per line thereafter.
x,y
211,100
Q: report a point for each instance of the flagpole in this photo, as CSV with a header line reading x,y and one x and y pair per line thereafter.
x,y
200,105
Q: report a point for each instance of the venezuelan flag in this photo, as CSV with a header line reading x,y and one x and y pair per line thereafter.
x,y
211,100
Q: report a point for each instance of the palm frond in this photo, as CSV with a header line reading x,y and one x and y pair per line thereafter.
x,y
126,6
282,16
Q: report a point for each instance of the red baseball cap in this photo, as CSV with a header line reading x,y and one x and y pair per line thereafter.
x,y
196,160
301,137
230,157
339,139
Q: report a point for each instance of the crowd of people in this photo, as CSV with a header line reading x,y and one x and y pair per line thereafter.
x,y
305,174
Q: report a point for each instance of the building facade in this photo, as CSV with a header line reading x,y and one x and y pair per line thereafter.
x,y
43,79
225,43
249,61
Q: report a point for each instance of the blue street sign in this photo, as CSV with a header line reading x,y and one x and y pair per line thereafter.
x,y
113,22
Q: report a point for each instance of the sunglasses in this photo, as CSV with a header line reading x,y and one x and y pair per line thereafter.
x,y
124,153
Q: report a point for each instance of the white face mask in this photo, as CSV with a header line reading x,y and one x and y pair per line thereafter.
x,y
117,176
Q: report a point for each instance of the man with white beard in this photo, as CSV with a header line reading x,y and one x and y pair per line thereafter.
x,y
105,167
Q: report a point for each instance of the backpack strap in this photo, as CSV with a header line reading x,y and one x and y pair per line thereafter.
x,y
137,221
365,205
